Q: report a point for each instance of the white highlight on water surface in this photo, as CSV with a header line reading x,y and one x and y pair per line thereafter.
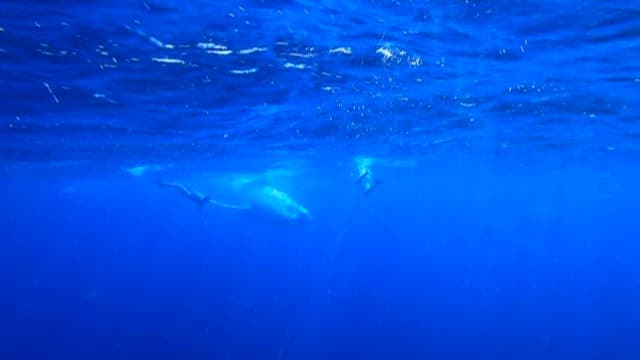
x,y
220,52
108,66
210,45
386,53
55,98
300,55
166,60
341,50
156,41
244,72
415,61
161,44
294,66
151,38
252,50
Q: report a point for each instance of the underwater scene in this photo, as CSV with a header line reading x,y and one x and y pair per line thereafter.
x,y
294,179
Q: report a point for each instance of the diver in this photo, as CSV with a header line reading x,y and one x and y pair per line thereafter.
x,y
365,175
197,197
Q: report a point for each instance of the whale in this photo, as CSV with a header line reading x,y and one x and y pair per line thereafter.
x,y
259,200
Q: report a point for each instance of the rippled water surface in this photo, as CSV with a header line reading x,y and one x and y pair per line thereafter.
x,y
158,79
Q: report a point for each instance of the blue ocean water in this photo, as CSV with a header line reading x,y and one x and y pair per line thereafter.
x,y
351,179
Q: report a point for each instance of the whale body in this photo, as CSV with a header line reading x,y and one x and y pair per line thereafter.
x,y
277,204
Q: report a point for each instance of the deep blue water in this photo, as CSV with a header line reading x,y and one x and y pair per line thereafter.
x,y
502,139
